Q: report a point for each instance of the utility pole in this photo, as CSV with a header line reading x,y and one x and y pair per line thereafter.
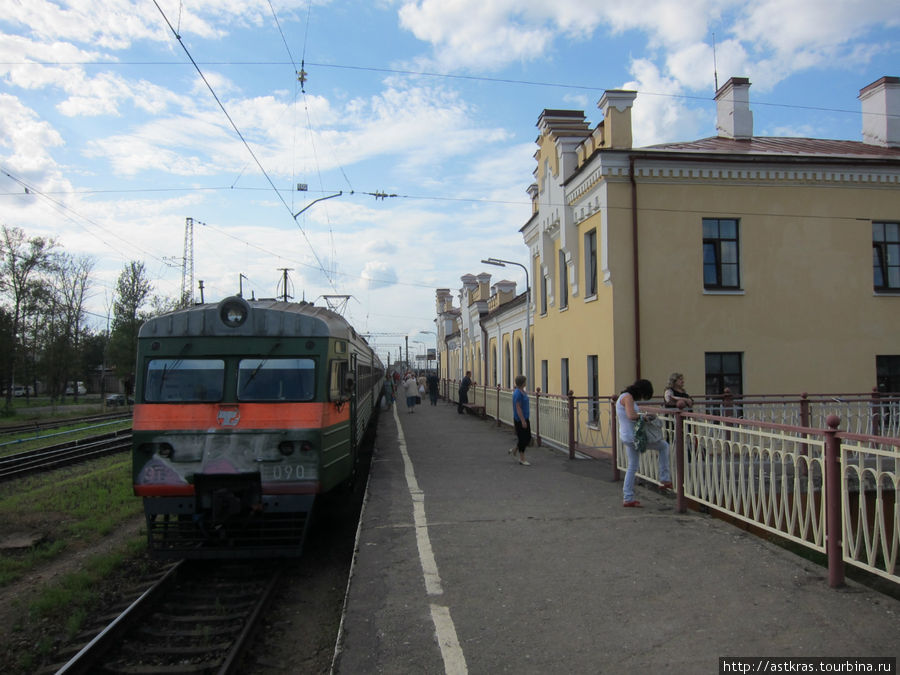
x,y
201,291
187,264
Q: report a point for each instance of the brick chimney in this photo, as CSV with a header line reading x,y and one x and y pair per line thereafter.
x,y
881,112
734,118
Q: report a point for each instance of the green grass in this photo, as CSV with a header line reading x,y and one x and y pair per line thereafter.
x,y
23,442
71,507
60,609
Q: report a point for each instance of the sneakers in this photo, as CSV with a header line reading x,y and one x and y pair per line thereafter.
x,y
524,462
632,504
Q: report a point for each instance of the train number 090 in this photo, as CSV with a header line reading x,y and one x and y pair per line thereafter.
x,y
286,472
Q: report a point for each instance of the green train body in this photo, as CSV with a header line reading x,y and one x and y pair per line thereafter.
x,y
244,413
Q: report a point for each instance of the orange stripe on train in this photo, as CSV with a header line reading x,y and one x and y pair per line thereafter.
x,y
231,416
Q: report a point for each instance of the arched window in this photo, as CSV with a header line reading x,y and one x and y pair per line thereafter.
x,y
507,366
519,362
494,379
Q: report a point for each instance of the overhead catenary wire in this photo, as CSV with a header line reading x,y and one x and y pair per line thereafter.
x,y
444,75
244,141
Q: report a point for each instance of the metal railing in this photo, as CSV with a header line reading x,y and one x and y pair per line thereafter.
x,y
777,463
799,483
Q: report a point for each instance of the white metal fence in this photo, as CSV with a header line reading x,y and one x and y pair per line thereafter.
x,y
763,462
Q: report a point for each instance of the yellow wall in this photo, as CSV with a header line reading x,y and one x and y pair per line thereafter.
x,y
807,319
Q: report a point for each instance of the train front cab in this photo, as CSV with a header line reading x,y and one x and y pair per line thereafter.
x,y
234,470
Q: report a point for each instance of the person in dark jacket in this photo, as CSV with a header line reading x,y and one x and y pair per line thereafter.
x,y
464,391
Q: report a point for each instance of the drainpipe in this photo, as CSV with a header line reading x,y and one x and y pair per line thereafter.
x,y
637,283
484,354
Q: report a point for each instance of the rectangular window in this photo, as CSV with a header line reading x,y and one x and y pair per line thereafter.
x,y
590,263
563,281
340,383
724,370
886,256
543,295
291,379
593,388
184,381
721,254
888,373
544,376
564,376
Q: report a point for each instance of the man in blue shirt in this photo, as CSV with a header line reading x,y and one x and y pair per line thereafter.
x,y
521,421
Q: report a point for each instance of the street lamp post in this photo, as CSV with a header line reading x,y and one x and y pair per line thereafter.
x,y
503,263
436,354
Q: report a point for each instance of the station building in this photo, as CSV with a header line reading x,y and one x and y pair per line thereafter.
x,y
761,264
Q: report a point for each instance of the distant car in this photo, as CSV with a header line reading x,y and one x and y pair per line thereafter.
x,y
21,390
119,399
82,390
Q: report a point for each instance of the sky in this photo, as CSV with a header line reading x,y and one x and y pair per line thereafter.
x,y
412,129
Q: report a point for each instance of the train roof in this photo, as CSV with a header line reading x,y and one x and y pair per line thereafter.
x,y
236,316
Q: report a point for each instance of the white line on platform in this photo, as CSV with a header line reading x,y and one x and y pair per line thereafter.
x,y
454,659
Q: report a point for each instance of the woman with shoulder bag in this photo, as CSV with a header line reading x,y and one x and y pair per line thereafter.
x,y
627,413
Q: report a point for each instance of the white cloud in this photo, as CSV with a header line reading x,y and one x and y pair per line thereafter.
x,y
661,116
25,139
378,274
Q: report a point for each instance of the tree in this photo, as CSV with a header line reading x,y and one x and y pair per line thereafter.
x,y
21,261
132,291
64,321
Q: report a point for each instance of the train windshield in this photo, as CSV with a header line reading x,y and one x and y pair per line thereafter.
x,y
276,380
184,380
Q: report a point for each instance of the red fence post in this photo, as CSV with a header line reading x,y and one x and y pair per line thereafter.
x,y
681,506
537,416
571,397
833,543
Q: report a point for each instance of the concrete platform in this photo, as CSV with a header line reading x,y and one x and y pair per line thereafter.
x,y
469,562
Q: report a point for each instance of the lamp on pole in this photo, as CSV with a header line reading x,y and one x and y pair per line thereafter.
x,y
503,263
436,355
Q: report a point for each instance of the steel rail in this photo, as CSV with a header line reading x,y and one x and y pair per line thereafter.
x,y
90,654
21,464
55,424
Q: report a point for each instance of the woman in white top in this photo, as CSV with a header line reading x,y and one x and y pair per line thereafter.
x,y
411,387
627,413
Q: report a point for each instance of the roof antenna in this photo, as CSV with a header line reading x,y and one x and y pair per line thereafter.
x,y
715,67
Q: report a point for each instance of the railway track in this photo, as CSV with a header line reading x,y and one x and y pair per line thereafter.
x,y
44,425
55,456
196,618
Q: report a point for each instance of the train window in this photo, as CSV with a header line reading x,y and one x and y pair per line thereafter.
x,y
184,380
292,379
339,384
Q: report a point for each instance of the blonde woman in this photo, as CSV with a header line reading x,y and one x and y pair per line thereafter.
x,y
675,396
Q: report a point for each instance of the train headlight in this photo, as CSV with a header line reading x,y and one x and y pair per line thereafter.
x,y
286,448
306,446
234,311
